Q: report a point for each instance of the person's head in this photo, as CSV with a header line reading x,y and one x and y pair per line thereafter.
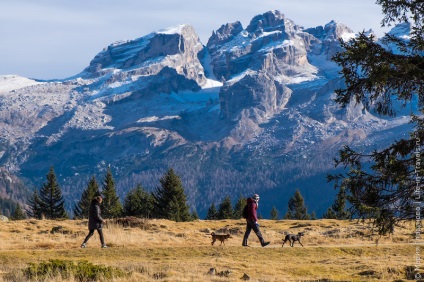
x,y
255,197
99,199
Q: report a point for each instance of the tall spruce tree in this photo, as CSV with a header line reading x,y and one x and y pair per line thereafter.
x,y
225,210
212,213
274,213
170,200
138,202
34,205
83,207
329,214
381,185
338,209
238,207
18,213
111,206
51,200
194,215
297,208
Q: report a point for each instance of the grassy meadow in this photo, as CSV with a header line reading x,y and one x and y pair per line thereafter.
x,y
162,250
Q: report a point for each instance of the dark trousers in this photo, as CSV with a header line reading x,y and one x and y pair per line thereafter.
x,y
250,224
102,240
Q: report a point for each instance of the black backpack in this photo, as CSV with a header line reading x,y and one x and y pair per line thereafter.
x,y
245,211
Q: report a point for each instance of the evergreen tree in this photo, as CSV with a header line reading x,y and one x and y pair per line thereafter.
x,y
34,204
238,208
297,208
51,200
194,215
111,206
274,213
382,184
212,213
329,214
225,210
313,216
82,209
338,209
138,202
170,201
18,214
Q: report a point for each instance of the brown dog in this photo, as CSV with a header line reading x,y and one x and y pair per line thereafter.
x,y
220,237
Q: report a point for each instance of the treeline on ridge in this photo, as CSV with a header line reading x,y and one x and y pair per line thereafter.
x,y
167,201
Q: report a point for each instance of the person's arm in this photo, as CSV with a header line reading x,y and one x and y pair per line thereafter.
x,y
255,214
98,214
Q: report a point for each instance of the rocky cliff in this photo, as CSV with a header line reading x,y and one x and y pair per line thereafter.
x,y
250,111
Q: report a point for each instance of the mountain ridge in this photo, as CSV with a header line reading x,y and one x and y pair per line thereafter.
x,y
250,111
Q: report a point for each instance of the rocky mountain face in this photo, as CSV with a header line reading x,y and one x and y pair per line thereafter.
x,y
175,48
250,111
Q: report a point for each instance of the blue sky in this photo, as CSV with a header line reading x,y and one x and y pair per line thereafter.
x,y
49,39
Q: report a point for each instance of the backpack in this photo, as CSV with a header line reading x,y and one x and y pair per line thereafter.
x,y
245,211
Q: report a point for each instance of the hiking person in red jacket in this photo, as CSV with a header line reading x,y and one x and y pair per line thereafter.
x,y
95,222
252,221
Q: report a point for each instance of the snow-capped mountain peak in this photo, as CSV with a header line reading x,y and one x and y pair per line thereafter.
x,y
178,29
401,30
255,103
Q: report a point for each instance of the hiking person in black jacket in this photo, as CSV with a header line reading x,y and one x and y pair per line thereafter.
x,y
95,221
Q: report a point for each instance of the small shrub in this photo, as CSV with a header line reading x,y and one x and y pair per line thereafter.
x,y
334,233
56,229
48,269
411,273
60,230
367,273
45,245
159,275
133,222
398,239
86,270
80,271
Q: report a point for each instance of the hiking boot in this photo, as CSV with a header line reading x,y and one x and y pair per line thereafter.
x,y
265,244
84,245
104,246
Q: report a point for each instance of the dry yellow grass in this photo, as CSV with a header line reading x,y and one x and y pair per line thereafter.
x,y
334,250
